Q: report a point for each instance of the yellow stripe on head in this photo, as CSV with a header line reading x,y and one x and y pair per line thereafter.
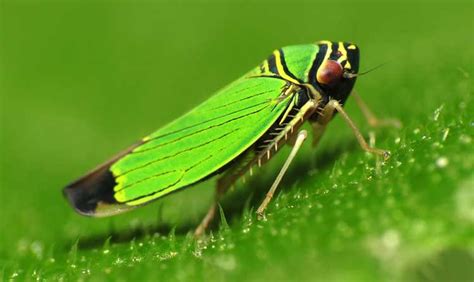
x,y
327,42
326,56
266,69
328,51
343,56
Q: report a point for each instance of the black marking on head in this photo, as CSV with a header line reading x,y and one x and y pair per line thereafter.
x,y
341,90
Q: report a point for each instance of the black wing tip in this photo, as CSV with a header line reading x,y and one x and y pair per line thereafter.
x,y
87,193
79,201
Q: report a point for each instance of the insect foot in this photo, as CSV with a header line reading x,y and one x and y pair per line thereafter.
x,y
385,154
261,216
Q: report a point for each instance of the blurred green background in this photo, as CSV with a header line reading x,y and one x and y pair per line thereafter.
x,y
81,80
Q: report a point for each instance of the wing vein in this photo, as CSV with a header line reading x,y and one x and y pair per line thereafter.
x,y
199,131
174,183
243,99
206,121
178,153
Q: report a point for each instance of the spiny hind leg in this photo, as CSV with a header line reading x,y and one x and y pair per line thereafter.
x,y
371,118
221,188
334,105
211,213
300,138
224,183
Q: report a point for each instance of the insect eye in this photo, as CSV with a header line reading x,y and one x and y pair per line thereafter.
x,y
329,73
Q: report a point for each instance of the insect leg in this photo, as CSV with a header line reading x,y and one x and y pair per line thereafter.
x,y
336,106
372,120
211,213
299,141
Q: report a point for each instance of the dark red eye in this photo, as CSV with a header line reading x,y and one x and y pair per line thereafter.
x,y
329,73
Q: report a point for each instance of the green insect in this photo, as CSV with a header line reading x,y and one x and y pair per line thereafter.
x,y
241,126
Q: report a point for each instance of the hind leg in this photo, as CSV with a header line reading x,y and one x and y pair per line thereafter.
x,y
221,188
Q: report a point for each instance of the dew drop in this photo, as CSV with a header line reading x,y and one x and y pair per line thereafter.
x,y
437,112
391,239
442,162
465,139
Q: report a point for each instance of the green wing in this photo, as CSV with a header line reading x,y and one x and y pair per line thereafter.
x,y
184,152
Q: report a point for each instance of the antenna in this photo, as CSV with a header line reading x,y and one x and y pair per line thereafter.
x,y
353,75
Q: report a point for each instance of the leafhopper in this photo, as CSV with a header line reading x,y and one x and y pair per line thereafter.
x,y
239,127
